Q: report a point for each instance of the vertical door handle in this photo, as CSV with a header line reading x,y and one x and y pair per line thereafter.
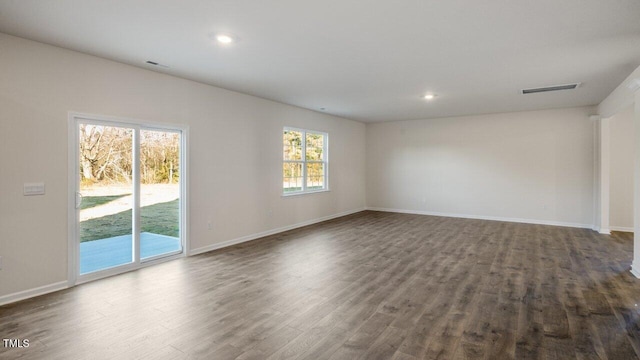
x,y
78,200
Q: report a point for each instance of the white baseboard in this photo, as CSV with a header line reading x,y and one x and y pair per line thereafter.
x,y
250,237
621,228
25,294
634,270
480,217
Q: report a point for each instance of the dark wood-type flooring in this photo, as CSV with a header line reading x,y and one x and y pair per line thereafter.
x,y
372,285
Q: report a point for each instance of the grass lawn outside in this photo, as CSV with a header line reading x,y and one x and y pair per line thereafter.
x,y
93,201
161,218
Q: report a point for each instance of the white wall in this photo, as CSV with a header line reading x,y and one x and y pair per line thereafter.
x,y
620,98
536,166
621,170
235,147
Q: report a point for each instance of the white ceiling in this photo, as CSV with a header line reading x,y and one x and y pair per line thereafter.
x,y
360,59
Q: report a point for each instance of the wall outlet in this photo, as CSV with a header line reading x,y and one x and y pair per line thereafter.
x,y
209,225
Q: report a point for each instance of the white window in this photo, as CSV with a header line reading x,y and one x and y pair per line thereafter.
x,y
305,161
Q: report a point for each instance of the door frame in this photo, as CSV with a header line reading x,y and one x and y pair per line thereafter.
x,y
74,119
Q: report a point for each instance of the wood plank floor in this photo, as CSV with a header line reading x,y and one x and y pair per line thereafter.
x,y
372,285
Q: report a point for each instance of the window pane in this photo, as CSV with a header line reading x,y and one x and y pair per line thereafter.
x,y
292,144
292,177
315,176
315,147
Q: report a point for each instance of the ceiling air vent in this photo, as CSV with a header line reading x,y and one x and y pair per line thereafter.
x,y
550,88
156,64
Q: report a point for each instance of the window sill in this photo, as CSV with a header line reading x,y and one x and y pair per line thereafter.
x,y
304,193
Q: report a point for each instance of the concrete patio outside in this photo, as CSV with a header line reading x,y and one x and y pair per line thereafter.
x,y
106,253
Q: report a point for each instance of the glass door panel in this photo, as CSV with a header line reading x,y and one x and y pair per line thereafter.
x,y
159,193
105,198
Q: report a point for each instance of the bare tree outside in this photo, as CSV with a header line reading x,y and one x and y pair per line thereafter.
x,y
105,155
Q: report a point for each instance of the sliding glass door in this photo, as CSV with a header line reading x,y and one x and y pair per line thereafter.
x,y
128,203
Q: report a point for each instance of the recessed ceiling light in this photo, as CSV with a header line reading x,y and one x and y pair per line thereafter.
x,y
429,96
224,39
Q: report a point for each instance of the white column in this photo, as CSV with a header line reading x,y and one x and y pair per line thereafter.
x,y
605,175
596,171
601,173
635,266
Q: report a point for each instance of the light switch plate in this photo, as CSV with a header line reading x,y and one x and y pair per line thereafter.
x,y
33,189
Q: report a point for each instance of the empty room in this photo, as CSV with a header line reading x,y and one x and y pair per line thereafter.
x,y
319,180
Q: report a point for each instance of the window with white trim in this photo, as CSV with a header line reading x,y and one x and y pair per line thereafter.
x,y
305,161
